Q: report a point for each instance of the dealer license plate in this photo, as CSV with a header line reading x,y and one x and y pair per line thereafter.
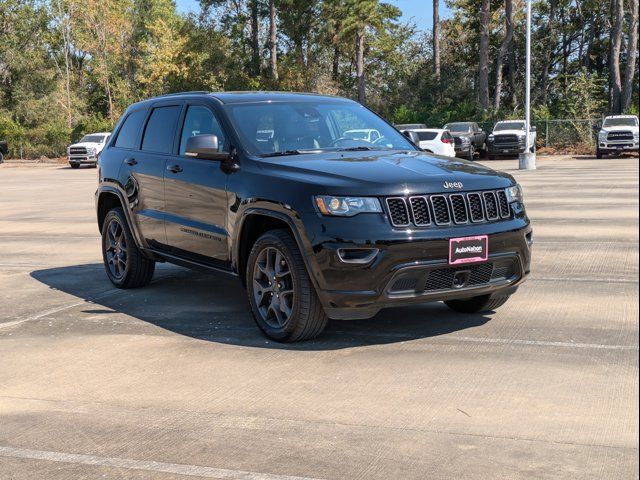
x,y
468,249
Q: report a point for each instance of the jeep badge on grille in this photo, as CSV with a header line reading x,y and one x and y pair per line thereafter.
x,y
457,185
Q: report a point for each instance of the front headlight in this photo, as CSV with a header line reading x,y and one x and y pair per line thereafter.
x,y
347,206
491,137
514,194
465,140
521,137
602,135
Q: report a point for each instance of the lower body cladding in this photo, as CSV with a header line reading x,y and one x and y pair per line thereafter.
x,y
364,277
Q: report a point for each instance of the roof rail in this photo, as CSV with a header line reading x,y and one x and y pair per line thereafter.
x,y
197,92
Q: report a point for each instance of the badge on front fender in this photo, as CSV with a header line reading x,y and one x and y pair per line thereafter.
x,y
468,249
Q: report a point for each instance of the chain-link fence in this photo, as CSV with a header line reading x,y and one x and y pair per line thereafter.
x,y
560,134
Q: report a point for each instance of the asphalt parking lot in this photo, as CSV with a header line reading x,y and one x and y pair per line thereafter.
x,y
175,381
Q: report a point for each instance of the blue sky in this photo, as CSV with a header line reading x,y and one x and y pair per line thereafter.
x,y
418,11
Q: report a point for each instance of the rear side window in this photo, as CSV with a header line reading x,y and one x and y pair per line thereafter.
x,y
427,135
158,136
130,128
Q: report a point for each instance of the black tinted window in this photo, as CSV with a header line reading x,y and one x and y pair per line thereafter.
x,y
158,136
129,131
200,121
427,135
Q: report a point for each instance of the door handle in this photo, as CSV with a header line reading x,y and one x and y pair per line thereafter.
x,y
131,162
174,168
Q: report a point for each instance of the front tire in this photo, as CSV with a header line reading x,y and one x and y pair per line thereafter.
x,y
283,300
74,165
471,153
481,304
124,263
598,154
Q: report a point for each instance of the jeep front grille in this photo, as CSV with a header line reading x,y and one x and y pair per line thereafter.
x,y
398,211
447,209
420,211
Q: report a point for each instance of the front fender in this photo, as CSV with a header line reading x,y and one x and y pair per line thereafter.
x,y
292,219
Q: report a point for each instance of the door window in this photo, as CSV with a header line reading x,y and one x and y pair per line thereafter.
x,y
161,127
129,131
201,121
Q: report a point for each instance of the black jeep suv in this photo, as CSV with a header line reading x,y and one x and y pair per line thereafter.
x,y
315,223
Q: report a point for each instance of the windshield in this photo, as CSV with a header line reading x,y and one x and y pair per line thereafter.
x,y
312,126
620,122
92,139
509,126
458,127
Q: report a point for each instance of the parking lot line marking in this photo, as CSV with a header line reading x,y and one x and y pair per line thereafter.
x,y
51,311
145,465
501,341
542,343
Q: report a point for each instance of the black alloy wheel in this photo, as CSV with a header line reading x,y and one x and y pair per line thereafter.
x,y
283,299
273,287
125,264
116,249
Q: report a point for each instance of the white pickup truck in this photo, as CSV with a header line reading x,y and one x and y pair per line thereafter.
x,y
618,133
508,139
87,150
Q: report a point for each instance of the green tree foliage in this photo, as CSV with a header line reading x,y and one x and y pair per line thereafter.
x,y
69,67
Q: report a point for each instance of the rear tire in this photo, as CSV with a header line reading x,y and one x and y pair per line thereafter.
x,y
283,300
483,303
124,263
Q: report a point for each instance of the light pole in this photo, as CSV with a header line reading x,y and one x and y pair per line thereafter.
x,y
528,159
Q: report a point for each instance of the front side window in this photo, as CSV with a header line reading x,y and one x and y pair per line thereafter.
x,y
276,128
161,127
130,128
200,120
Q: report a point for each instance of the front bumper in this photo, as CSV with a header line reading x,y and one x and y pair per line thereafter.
x,y
82,159
409,267
619,146
494,149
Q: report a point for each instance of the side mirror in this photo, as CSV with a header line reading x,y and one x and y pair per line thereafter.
x,y
533,128
205,147
595,128
411,135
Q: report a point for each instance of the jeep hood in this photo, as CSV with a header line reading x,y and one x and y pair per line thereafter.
x,y
384,173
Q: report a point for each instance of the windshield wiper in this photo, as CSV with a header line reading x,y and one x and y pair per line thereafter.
x,y
285,153
357,149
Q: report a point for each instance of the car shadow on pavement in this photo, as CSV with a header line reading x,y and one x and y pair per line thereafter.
x,y
213,307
